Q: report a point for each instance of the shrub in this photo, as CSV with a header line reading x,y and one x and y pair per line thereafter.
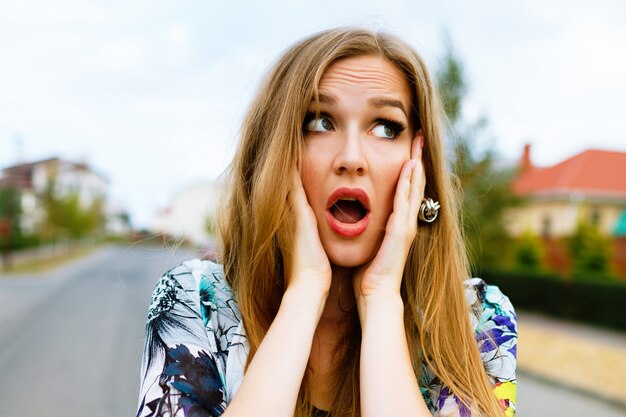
x,y
592,301
529,253
590,252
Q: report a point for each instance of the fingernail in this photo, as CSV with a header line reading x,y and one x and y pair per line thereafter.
x,y
412,163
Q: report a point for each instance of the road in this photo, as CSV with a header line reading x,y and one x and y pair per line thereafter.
x,y
538,397
71,341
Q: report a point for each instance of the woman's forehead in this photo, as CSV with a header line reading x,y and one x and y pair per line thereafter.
x,y
378,74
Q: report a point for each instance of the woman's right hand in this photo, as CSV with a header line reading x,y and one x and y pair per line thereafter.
x,y
284,353
308,266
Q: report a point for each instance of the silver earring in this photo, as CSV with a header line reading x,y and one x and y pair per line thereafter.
x,y
429,210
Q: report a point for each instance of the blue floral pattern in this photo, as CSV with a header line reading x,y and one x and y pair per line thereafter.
x,y
196,348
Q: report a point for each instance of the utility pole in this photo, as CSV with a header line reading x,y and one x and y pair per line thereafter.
x,y
19,149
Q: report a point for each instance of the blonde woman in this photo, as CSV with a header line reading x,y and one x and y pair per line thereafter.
x,y
342,286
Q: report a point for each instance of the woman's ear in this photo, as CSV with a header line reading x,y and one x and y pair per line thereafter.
x,y
299,154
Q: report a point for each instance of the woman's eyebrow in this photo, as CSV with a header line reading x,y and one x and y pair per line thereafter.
x,y
388,102
325,98
376,102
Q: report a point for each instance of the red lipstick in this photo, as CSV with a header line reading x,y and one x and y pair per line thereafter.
x,y
348,229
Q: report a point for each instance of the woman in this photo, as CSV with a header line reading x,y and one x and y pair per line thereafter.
x,y
332,297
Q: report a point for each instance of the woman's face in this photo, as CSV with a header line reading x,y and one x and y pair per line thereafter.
x,y
353,154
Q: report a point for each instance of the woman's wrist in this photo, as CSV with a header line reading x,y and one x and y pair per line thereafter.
x,y
380,308
384,299
309,286
306,298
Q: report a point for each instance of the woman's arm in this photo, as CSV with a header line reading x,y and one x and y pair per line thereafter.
x,y
271,384
388,384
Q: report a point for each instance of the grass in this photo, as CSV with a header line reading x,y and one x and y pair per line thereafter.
x,y
47,264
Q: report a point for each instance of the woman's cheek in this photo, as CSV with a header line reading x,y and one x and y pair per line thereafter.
x,y
392,181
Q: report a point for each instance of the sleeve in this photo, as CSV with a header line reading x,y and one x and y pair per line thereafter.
x,y
495,330
179,376
496,334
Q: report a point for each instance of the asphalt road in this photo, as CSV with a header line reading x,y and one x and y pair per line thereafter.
x,y
71,341
537,397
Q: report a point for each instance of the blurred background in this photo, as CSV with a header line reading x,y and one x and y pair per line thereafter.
x,y
117,119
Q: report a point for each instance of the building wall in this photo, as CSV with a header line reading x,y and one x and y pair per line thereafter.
x,y
543,219
67,177
41,176
89,186
30,215
187,215
559,218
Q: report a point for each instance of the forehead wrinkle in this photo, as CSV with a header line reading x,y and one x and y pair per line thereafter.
x,y
364,72
387,88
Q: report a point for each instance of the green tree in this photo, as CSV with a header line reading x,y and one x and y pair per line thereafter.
x,y
486,185
10,233
65,216
590,252
529,253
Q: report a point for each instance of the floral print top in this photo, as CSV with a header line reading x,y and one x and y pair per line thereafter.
x,y
196,347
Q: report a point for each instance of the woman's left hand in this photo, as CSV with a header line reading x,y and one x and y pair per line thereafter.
x,y
382,276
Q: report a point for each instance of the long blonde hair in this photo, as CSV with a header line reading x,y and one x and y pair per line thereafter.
x,y
256,223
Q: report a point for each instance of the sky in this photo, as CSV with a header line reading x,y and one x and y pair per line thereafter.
x,y
152,93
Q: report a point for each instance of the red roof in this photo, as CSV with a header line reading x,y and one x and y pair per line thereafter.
x,y
593,172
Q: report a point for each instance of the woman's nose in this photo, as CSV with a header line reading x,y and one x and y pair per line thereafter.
x,y
350,156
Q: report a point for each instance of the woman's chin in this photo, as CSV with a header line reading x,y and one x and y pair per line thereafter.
x,y
350,258
351,253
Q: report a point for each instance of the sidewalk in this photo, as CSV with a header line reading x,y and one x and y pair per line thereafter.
x,y
43,258
580,356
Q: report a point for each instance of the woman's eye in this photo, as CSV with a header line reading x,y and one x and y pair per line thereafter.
x,y
387,129
319,124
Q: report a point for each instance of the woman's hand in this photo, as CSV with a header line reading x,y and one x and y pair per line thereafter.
x,y
382,276
284,352
308,265
386,371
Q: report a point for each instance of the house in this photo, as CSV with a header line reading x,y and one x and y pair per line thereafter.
x,y
190,214
589,186
61,177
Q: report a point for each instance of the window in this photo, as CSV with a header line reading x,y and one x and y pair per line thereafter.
x,y
546,226
595,217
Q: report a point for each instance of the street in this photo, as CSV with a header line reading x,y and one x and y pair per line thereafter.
x,y
541,398
73,347
72,340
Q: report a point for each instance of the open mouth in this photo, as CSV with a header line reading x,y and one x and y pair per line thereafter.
x,y
348,210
